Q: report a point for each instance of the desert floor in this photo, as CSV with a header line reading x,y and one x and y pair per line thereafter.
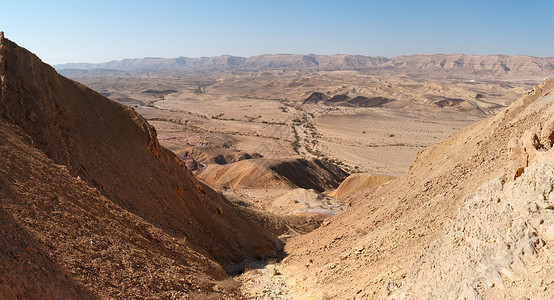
x,y
263,112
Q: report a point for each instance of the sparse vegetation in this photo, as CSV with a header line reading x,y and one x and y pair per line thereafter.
x,y
229,285
205,283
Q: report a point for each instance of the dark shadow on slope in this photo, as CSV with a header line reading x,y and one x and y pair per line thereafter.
x,y
258,262
303,173
369,102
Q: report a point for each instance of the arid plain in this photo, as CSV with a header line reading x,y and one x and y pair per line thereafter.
x,y
279,110
364,122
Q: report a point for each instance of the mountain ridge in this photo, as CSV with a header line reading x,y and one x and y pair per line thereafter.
x,y
497,64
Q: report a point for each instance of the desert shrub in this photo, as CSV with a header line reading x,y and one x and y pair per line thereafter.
x,y
229,285
205,283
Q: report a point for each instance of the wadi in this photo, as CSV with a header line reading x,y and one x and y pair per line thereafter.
x,y
277,177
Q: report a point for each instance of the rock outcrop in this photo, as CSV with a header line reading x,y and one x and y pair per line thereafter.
x,y
497,246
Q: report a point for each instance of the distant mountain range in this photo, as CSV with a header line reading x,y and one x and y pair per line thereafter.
x,y
496,65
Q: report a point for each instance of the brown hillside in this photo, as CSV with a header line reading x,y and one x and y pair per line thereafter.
x,y
315,98
272,173
213,155
358,183
63,239
99,204
412,238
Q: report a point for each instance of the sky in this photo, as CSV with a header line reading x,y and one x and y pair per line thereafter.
x,y
98,31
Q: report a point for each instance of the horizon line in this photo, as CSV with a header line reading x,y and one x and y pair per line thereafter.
x,y
292,54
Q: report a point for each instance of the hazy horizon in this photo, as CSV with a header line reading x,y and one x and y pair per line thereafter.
x,y
277,54
75,32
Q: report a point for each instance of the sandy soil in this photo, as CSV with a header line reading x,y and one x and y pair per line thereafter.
x,y
385,141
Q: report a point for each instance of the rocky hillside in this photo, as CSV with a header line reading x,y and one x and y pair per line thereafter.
x,y
92,206
456,64
471,219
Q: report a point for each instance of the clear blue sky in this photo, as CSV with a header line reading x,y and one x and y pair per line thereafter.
x,y
97,31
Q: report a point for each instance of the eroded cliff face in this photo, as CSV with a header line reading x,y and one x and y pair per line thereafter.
x,y
108,165
424,229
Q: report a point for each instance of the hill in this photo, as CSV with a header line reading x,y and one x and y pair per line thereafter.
x,y
313,174
92,206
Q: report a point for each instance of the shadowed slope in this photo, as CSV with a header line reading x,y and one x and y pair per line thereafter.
x,y
113,154
63,239
271,173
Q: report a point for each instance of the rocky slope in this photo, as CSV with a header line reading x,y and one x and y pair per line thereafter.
x,y
471,219
454,64
92,206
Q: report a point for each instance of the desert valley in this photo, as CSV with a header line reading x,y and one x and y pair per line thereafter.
x,y
277,177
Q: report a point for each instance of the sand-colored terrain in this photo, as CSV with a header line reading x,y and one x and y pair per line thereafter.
x,y
270,112
376,124
357,183
292,177
470,219
359,121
